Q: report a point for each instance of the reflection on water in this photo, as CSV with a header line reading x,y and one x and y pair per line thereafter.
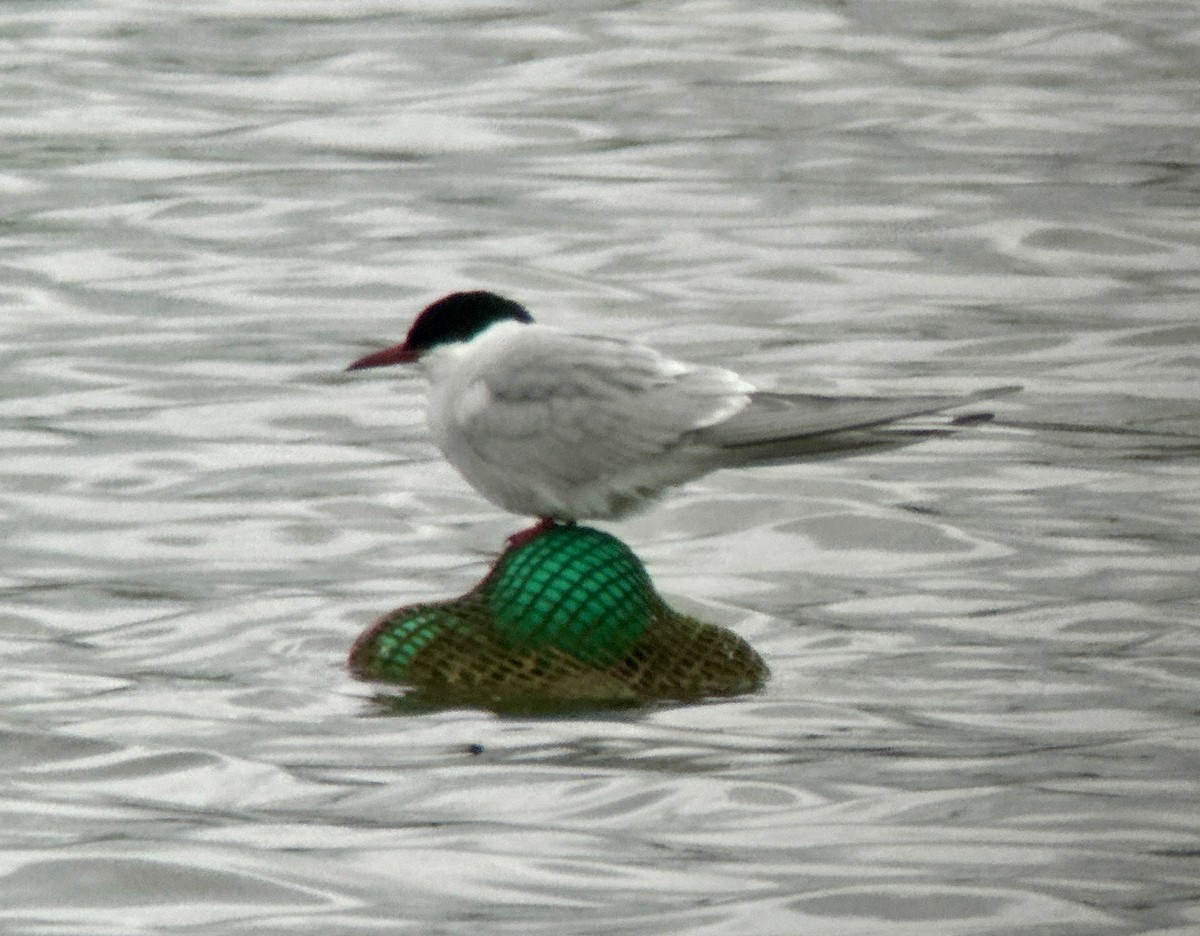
x,y
983,711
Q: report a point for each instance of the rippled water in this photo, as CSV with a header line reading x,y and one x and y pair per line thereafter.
x,y
983,715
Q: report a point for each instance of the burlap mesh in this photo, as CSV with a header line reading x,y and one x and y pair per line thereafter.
x,y
570,615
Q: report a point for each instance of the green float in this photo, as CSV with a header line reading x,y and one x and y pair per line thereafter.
x,y
570,615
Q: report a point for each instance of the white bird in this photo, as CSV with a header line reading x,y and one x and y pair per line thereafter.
x,y
565,427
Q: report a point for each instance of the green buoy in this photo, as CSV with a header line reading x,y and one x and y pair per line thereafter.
x,y
575,589
569,615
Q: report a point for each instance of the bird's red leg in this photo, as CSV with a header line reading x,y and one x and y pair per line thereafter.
x,y
521,537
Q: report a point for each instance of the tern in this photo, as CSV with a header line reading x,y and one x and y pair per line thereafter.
x,y
563,427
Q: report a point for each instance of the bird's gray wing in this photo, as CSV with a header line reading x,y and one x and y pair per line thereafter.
x,y
793,426
579,407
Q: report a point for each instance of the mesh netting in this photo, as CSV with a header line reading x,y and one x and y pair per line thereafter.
x,y
569,615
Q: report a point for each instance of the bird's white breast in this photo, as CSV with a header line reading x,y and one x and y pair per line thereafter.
x,y
458,393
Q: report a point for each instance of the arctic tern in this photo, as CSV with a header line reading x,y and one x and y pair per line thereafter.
x,y
564,427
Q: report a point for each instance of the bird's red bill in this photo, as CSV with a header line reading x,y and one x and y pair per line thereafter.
x,y
396,354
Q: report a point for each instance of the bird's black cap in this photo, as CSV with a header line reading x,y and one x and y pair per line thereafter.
x,y
461,316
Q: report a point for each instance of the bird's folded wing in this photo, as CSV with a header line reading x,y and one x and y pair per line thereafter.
x,y
580,406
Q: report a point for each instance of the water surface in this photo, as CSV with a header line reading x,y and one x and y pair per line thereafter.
x,y
983,715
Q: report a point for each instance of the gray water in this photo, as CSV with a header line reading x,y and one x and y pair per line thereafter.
x,y
983,717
